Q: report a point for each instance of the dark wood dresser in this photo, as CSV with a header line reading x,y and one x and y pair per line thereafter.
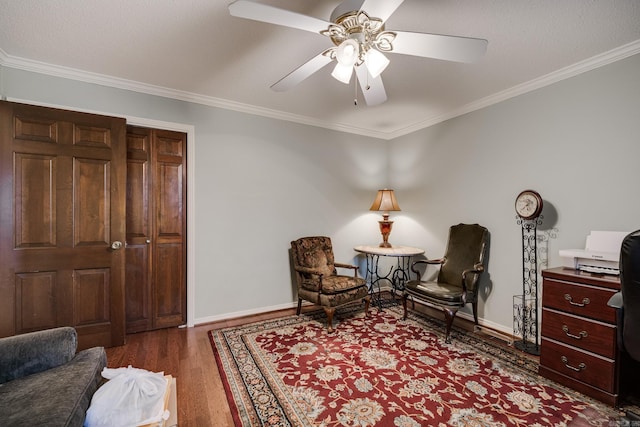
x,y
578,346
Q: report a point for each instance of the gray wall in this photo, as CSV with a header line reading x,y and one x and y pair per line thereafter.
x,y
259,183
576,142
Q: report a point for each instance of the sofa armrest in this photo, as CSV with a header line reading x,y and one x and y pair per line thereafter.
x,y
33,352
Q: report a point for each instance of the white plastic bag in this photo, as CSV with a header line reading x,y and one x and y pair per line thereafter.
x,y
131,397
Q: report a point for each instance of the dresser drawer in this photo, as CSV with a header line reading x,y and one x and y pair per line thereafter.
x,y
588,368
591,335
582,300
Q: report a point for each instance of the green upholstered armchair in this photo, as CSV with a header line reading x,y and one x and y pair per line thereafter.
x,y
317,278
457,281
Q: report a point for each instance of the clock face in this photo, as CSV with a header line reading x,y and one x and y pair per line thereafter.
x,y
528,204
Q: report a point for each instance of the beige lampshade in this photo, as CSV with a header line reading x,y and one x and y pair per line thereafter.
x,y
385,201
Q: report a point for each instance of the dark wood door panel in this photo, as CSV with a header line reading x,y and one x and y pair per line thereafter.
x,y
62,194
35,201
35,301
92,136
156,227
91,287
170,200
137,201
92,215
138,288
36,129
169,298
93,311
170,144
138,299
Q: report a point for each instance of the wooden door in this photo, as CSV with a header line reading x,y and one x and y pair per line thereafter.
x,y
156,229
62,207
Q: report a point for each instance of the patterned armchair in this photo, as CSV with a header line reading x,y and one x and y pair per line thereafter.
x,y
318,281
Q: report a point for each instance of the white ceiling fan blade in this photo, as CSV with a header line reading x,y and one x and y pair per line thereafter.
x,y
301,73
448,48
381,9
372,89
273,15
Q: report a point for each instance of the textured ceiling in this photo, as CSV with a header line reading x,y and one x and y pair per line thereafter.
x,y
194,49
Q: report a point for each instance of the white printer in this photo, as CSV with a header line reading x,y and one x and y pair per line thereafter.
x,y
601,254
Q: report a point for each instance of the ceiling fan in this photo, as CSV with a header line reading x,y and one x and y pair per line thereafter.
x,y
357,30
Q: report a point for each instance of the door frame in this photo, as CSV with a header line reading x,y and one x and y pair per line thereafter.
x,y
159,124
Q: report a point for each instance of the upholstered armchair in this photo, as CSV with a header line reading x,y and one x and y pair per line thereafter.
x,y
318,281
457,280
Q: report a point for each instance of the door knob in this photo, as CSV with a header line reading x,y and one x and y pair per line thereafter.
x,y
116,245
148,241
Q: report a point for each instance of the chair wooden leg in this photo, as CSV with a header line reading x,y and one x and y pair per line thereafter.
x,y
474,305
404,306
449,314
299,306
329,311
367,301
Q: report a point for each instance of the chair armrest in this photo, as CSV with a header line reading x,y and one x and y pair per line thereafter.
x,y
439,261
349,266
34,352
616,301
307,270
478,268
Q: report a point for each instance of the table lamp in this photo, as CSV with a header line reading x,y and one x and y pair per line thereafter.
x,y
385,202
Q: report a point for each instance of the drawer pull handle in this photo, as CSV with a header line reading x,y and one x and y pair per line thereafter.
x,y
581,366
584,302
582,334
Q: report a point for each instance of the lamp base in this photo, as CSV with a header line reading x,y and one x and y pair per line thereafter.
x,y
385,230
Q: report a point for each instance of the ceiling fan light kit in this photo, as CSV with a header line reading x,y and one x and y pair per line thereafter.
x,y
342,73
358,38
376,62
357,29
348,52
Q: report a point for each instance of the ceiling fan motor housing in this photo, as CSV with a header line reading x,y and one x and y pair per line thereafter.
x,y
355,25
347,7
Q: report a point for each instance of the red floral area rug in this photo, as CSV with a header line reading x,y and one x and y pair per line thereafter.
x,y
381,370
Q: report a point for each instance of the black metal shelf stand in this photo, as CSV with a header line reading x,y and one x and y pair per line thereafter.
x,y
525,306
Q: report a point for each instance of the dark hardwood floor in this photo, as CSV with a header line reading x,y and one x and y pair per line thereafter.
x,y
186,354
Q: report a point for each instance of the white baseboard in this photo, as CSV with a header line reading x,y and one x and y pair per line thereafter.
x,y
236,314
487,324
261,310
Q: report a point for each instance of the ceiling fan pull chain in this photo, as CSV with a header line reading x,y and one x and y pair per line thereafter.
x,y
368,82
355,91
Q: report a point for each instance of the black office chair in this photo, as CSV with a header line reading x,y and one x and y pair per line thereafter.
x,y
627,305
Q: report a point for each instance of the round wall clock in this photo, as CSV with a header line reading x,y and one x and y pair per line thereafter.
x,y
528,204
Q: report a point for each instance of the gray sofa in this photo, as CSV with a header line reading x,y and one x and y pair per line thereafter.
x,y
43,382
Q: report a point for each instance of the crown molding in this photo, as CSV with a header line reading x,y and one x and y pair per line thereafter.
x,y
592,63
597,61
119,83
